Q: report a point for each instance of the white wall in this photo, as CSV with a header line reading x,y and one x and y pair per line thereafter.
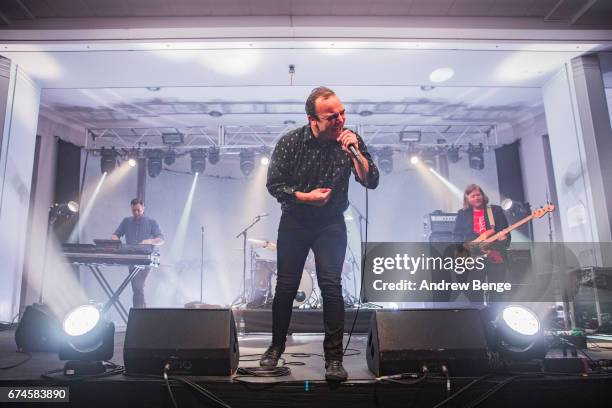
x,y
49,129
18,143
574,206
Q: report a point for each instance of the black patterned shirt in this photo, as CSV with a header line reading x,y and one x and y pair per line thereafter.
x,y
301,162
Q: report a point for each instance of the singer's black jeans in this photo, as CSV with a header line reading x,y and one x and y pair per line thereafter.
x,y
327,239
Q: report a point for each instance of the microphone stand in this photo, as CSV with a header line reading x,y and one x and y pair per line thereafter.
x,y
242,298
202,267
361,220
361,302
354,264
200,304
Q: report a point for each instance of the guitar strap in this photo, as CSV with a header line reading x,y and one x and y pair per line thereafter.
x,y
490,217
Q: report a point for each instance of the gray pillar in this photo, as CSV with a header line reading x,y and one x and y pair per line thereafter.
x,y
594,122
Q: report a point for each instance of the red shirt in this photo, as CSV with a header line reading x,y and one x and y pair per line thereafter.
x,y
479,226
479,223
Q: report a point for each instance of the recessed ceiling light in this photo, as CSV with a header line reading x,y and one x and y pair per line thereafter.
x,y
215,114
441,74
153,88
366,113
427,88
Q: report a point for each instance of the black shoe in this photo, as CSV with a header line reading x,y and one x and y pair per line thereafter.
x,y
334,371
271,356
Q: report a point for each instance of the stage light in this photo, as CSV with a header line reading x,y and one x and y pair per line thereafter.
x,y
247,161
385,160
476,156
214,155
198,161
73,206
521,320
516,209
132,162
170,157
88,340
519,334
507,204
173,139
428,157
414,160
266,153
410,136
453,154
108,160
63,210
81,320
155,162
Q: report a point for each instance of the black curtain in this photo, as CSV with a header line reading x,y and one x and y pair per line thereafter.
x,y
510,179
67,184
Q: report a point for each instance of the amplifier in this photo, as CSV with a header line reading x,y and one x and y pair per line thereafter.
x,y
438,222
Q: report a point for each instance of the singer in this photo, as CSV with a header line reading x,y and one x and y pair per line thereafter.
x,y
309,175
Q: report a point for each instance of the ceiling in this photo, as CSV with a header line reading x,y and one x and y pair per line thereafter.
x,y
247,86
573,12
252,86
267,64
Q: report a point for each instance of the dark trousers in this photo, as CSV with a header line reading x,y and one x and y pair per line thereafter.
x,y
138,284
327,239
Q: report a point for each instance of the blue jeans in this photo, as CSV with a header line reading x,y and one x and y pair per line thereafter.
x,y
327,239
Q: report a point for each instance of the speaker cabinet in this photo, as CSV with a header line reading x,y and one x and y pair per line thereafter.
x,y
192,341
38,330
403,341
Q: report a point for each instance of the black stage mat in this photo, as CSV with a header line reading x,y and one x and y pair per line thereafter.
x,y
305,387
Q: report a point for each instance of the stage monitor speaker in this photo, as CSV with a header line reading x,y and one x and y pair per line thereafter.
x,y
192,341
403,341
38,330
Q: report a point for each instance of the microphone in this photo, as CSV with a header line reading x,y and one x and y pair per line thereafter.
x,y
354,151
355,154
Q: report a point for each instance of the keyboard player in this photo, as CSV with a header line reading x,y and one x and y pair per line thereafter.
x,y
139,229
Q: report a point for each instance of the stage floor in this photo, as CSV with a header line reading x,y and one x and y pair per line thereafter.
x,y
305,386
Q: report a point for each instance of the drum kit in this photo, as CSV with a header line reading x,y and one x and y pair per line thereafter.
x,y
260,291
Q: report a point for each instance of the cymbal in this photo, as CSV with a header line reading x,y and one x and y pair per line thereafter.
x,y
260,243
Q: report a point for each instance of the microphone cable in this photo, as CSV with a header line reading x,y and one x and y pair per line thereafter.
x,y
363,259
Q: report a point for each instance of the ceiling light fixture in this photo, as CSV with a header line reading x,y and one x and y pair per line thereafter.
x,y
441,74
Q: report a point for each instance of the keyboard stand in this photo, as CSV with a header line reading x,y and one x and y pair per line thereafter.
x,y
113,295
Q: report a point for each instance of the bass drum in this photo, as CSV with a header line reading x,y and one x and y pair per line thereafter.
x,y
304,292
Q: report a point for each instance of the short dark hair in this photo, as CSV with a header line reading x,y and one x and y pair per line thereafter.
x,y
318,92
468,191
136,201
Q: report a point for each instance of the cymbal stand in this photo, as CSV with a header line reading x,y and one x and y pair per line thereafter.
x,y
241,300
